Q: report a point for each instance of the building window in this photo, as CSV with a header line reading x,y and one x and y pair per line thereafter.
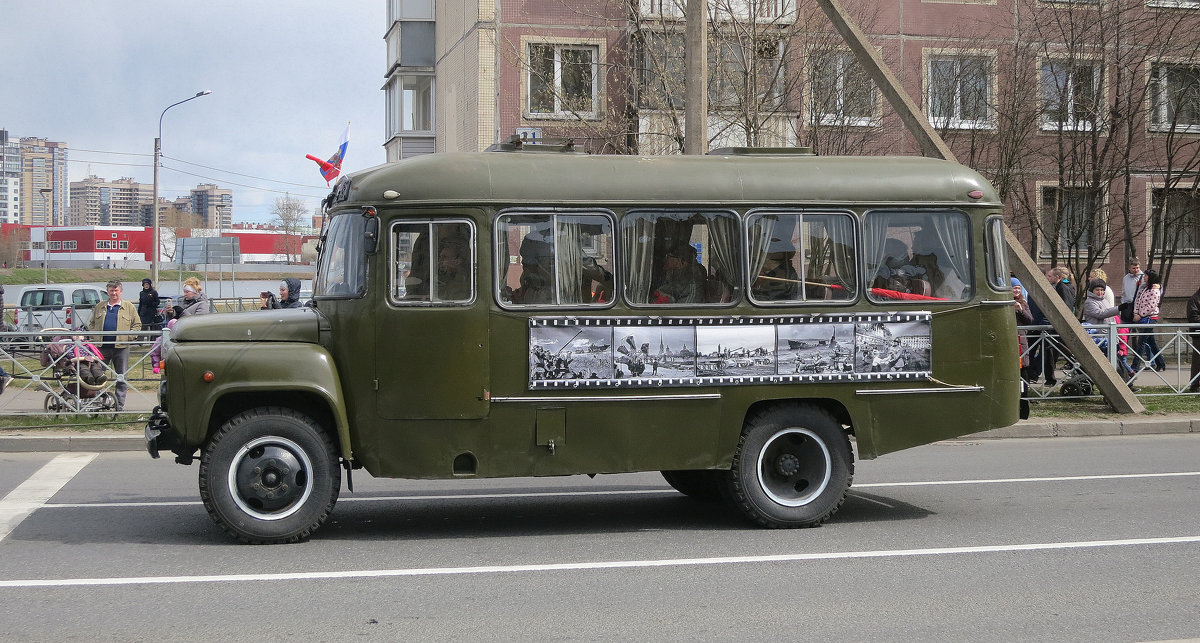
x,y
1179,218
1072,218
663,70
960,91
1070,95
1175,97
563,80
410,104
745,72
410,9
841,93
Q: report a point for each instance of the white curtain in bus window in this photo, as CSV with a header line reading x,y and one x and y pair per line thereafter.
x,y
559,259
433,262
801,257
918,255
681,258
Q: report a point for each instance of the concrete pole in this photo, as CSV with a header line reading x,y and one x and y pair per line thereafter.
x,y
154,213
1118,396
695,115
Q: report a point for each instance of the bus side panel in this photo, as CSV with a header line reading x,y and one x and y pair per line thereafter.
x,y
904,420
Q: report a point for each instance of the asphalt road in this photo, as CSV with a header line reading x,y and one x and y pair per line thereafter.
x,y
1074,539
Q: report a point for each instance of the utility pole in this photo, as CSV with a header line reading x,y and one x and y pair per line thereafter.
x,y
695,111
1118,396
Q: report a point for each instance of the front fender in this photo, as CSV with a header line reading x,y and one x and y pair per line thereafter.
x,y
256,370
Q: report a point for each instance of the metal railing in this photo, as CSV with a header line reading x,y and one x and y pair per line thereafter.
x,y
56,371
1144,355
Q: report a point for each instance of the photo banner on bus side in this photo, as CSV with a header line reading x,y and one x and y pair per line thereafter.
x,y
643,352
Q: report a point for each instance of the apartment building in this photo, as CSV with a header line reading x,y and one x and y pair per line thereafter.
x,y
100,202
1084,114
10,179
43,167
213,205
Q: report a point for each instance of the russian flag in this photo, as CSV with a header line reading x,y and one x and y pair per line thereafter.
x,y
331,168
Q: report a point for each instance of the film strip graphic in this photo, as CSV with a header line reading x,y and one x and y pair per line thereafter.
x,y
652,352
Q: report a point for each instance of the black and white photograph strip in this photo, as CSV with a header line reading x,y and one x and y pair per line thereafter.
x,y
571,353
662,352
816,349
892,349
614,352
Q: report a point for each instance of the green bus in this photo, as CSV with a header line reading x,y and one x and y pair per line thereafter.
x,y
732,320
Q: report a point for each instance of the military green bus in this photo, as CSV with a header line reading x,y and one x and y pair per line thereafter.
x,y
732,320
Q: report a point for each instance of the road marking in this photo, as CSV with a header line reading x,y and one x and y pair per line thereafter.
x,y
38,488
628,492
598,565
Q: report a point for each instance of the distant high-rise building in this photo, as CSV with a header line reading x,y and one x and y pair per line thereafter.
x,y
97,201
10,179
43,165
213,205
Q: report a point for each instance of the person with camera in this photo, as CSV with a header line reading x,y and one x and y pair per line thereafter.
x,y
289,295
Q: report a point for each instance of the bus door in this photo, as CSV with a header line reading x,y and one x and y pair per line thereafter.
x,y
431,328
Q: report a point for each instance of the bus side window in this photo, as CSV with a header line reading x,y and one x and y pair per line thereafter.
x,y
433,262
681,258
801,257
561,259
919,255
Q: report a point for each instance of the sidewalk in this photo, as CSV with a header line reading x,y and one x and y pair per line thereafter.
x,y
24,440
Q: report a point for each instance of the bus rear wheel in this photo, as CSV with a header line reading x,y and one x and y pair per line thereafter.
x,y
792,467
269,475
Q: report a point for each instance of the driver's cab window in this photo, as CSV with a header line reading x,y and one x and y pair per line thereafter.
x,y
342,266
918,255
433,262
555,259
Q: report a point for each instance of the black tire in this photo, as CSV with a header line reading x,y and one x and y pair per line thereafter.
x,y
701,485
269,475
792,467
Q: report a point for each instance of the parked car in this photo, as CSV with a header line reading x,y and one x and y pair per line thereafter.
x,y
56,306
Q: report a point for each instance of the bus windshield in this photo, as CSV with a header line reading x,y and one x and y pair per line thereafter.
x,y
341,268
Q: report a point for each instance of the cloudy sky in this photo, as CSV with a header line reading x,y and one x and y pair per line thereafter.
x,y
285,77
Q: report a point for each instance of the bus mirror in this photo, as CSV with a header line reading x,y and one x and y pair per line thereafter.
x,y
371,236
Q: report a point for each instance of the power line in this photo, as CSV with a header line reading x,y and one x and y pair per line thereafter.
x,y
80,149
249,176
243,185
108,163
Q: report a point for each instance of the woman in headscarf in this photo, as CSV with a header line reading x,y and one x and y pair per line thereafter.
x,y
195,302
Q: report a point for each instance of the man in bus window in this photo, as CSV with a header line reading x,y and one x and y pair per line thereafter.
x,y
454,272
778,280
684,277
537,273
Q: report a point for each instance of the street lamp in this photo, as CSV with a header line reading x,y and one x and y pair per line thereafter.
x,y
46,194
154,205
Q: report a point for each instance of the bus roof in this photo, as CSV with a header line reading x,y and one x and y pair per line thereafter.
x,y
542,178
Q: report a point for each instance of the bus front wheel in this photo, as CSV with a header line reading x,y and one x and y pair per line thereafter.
x,y
792,467
269,475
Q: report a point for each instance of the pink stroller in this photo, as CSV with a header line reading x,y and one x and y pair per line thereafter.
x,y
77,366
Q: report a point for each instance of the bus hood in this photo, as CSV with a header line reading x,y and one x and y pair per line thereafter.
x,y
283,325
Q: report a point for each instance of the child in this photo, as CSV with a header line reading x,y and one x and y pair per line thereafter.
x,y
173,315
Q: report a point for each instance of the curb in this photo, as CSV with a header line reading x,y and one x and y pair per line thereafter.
x,y
1023,429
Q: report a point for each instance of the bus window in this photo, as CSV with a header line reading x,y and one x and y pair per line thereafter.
x,y
801,257
997,255
681,258
446,279
918,255
341,271
557,259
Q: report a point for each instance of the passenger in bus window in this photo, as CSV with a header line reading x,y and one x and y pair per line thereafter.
x,y
778,279
537,273
684,278
597,281
454,272
930,254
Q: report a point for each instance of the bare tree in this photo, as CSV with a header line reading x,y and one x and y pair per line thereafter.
x,y
177,224
288,217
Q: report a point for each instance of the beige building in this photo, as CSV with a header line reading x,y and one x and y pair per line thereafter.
x,y
43,166
100,202
213,205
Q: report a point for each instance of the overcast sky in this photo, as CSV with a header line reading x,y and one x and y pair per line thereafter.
x,y
285,77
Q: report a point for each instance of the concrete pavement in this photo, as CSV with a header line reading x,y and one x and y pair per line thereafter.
x,y
31,440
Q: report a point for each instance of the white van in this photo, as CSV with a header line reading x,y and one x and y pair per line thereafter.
x,y
56,306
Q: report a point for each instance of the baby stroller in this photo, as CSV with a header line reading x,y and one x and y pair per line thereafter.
x,y
1078,384
78,368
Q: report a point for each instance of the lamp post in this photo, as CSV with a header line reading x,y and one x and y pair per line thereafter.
x,y
154,205
46,194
